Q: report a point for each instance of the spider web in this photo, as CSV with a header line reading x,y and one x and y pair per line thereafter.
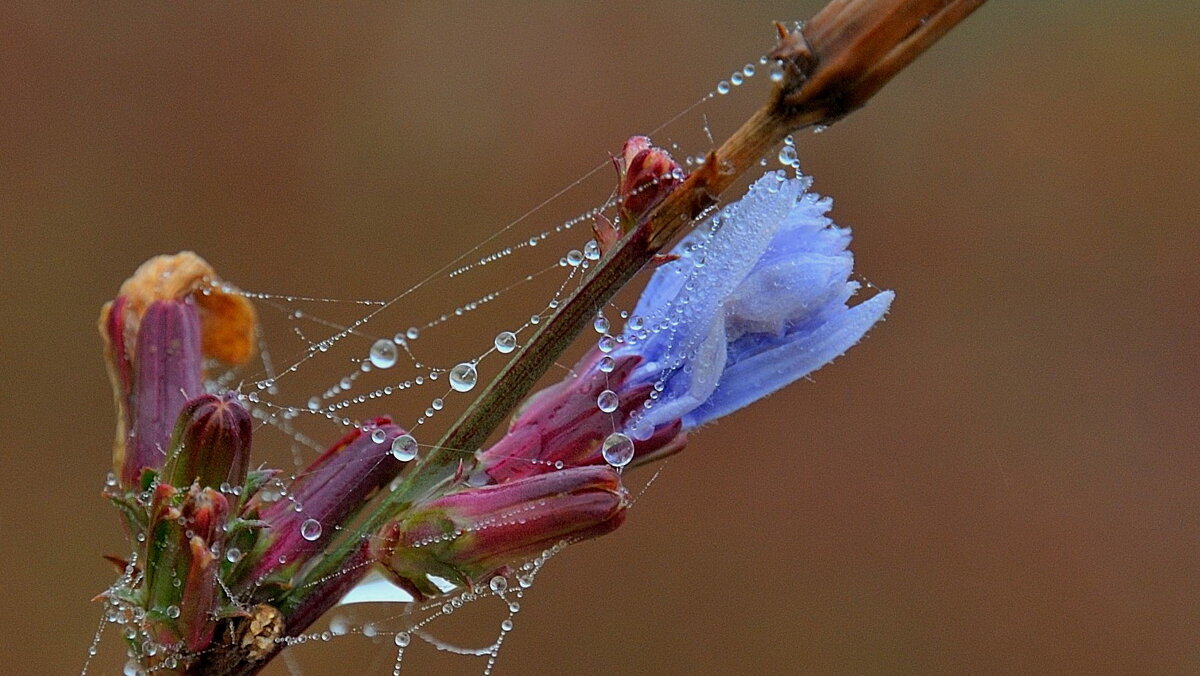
x,y
328,364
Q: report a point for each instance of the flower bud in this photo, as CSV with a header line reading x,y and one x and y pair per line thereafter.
x,y
468,535
323,497
211,442
167,317
647,174
186,530
564,423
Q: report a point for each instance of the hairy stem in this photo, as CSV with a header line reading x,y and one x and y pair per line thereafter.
x,y
832,66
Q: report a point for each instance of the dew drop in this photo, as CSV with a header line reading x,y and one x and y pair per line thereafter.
x,y
402,639
310,530
233,555
378,436
776,72
736,79
607,364
383,353
506,341
591,250
617,449
607,401
574,257
314,404
506,625
600,324
404,447
463,377
722,87
498,584
412,333
172,612
748,70
787,156
606,344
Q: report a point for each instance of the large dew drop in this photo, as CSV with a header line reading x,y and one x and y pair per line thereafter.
x,y
607,401
463,377
404,447
506,341
617,449
383,353
310,530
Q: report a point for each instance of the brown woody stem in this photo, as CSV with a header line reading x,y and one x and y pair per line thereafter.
x,y
832,66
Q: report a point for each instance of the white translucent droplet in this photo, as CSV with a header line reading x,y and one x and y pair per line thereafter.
x,y
574,257
233,555
787,156
722,87
314,404
412,333
378,436
607,401
591,250
310,530
463,377
404,447
600,324
383,353
172,612
498,583
617,449
506,341
506,625
606,344
402,639
607,364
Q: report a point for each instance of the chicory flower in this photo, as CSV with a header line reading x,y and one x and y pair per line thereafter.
x,y
756,299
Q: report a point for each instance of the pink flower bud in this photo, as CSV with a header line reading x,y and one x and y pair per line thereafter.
x,y
647,174
211,442
468,535
564,423
323,497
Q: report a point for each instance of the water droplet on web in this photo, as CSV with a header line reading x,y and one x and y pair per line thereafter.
x,y
787,156
383,353
506,625
412,333
463,377
607,364
437,404
736,79
498,583
310,530
722,87
591,250
607,401
506,341
748,70
233,555
606,344
402,639
378,436
600,324
172,612
617,449
574,257
776,72
404,447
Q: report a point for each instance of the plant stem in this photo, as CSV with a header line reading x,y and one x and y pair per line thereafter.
x,y
832,66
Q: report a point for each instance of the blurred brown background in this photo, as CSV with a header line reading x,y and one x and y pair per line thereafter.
x,y
1001,479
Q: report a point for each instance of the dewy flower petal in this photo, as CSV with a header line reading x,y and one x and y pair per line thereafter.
x,y
755,300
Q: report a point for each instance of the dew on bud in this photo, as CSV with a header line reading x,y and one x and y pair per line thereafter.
x,y
310,530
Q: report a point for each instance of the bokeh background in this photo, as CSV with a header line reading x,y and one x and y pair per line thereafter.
x,y
1003,478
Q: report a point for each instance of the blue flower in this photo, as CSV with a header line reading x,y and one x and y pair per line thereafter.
x,y
756,300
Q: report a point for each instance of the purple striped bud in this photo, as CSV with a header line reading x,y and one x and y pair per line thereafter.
x,y
168,316
211,442
322,498
564,425
467,536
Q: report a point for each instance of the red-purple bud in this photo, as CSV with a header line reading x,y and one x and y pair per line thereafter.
x,y
563,423
647,174
323,497
211,442
468,535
